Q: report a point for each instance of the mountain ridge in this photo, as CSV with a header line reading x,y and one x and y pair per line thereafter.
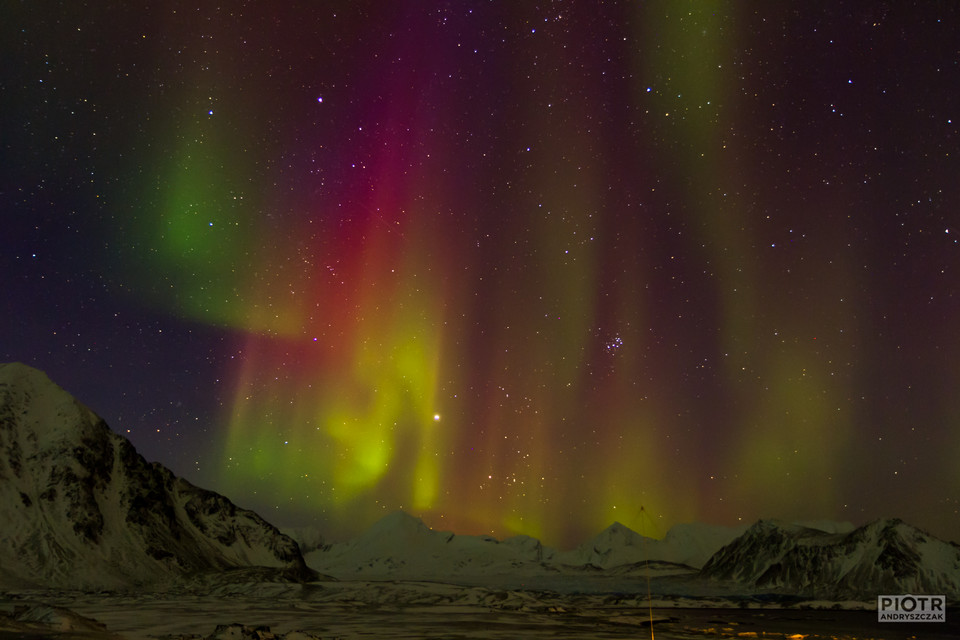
x,y
883,556
402,546
80,508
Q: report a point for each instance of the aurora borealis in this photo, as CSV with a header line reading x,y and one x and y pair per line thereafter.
x,y
514,267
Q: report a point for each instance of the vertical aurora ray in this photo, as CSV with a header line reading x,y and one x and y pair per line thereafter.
x,y
342,414
694,99
790,401
350,419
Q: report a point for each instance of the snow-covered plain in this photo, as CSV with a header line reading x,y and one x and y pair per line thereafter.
x,y
359,609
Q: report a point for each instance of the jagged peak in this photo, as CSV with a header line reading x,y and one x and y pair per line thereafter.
x,y
884,554
619,527
887,523
619,531
398,524
768,526
89,511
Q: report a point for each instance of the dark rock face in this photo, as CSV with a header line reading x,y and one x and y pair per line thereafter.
x,y
80,508
886,556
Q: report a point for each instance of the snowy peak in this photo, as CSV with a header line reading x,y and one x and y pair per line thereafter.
x,y
689,545
619,535
886,556
396,537
828,526
401,528
46,415
401,545
80,508
614,546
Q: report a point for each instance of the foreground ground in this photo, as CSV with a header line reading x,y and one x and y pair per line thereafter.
x,y
348,610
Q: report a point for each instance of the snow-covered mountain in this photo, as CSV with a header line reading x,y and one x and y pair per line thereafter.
x,y
80,508
832,562
885,556
685,544
400,545
614,546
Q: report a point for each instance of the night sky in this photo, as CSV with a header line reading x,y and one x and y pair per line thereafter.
x,y
513,267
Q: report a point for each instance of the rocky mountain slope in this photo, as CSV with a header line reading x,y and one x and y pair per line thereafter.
x,y
885,556
80,508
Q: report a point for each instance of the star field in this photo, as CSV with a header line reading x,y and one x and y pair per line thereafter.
x,y
512,267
